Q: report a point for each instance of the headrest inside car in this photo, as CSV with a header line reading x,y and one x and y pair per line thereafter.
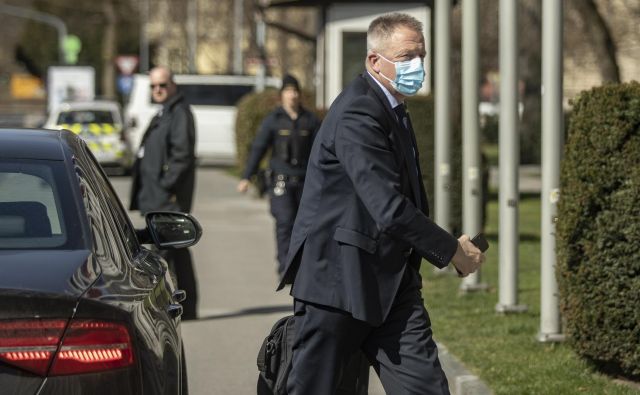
x,y
12,226
35,220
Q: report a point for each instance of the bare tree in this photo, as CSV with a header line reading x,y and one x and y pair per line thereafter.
x,y
599,34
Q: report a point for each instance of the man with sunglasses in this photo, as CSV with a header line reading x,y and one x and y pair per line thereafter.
x,y
164,171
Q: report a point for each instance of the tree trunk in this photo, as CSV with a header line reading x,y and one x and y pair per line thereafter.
x,y
603,45
109,50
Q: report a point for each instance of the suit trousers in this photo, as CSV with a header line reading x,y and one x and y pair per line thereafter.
x,y
401,350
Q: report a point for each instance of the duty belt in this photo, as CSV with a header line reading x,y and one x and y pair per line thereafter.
x,y
284,177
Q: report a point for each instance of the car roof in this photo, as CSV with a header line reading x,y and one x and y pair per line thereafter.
x,y
216,79
34,143
90,105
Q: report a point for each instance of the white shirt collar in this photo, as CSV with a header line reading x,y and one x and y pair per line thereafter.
x,y
392,100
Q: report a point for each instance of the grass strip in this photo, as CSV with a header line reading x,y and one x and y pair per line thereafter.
x,y
502,349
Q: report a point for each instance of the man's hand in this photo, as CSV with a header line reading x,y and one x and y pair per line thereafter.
x,y
468,257
243,186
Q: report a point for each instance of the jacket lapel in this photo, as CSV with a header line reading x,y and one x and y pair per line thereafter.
x,y
404,139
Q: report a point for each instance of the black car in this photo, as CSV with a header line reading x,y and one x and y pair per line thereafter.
x,y
84,308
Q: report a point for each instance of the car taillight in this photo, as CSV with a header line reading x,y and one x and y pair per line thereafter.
x,y
88,346
30,344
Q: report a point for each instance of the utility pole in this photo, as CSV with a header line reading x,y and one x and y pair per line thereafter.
x,y
238,36
144,38
509,159
471,163
192,34
552,141
442,113
261,33
41,17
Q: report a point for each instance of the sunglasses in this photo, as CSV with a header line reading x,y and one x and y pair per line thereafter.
x,y
162,86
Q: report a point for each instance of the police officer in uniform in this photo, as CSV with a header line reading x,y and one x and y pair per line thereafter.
x,y
289,131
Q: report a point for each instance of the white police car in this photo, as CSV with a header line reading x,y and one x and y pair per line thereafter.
x,y
99,123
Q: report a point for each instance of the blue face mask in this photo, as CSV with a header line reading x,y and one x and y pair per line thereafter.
x,y
409,76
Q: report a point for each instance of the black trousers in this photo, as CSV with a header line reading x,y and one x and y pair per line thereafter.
x,y
401,350
284,209
181,265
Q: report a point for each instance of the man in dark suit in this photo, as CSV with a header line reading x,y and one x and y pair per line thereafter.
x,y
363,228
165,169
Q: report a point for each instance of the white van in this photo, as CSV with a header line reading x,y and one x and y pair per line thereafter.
x,y
213,101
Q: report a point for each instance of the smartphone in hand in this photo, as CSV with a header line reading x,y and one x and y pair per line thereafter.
x,y
481,242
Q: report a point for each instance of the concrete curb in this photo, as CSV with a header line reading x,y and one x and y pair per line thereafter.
x,y
461,381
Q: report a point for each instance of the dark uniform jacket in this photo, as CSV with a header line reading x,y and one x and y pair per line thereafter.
x,y
363,217
164,178
290,141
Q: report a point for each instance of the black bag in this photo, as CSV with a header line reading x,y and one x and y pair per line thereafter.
x,y
274,363
274,358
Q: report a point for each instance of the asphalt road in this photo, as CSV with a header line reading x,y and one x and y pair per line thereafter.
x,y
236,271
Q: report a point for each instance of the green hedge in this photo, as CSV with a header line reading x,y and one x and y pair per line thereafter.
x,y
598,229
252,109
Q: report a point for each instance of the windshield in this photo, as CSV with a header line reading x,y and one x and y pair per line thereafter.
x,y
36,207
85,117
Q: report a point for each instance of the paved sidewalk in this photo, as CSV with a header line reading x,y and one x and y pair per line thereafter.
x,y
236,271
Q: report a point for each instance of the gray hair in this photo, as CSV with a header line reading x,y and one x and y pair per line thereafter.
x,y
383,27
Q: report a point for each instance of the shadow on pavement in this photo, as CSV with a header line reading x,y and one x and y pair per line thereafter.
x,y
249,311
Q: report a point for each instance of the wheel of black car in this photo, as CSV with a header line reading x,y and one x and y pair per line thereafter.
x,y
184,390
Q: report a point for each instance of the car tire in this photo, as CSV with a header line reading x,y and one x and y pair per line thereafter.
x,y
184,382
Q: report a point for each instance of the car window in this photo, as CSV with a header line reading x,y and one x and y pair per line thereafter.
x,y
109,246
95,216
85,117
213,95
113,204
32,206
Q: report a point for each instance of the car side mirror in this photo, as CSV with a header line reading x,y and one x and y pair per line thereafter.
x,y
170,230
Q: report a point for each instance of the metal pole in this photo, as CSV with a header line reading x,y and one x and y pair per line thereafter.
x,y
42,17
321,58
552,141
471,165
144,38
442,121
509,159
192,34
261,32
238,37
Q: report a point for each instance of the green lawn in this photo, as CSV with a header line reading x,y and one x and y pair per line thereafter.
x,y
502,349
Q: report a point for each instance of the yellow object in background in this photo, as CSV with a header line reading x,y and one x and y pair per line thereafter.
x,y
26,87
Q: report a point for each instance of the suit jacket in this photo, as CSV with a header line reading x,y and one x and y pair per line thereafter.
x,y
164,178
363,218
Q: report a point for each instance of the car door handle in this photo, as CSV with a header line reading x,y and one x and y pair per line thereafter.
x,y
179,296
174,310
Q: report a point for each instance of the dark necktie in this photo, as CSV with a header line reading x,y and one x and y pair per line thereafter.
x,y
405,123
403,117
